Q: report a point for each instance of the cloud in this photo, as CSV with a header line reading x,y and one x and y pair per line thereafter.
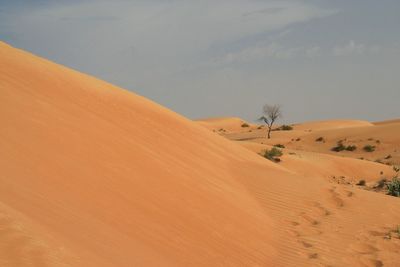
x,y
273,50
259,52
163,32
353,48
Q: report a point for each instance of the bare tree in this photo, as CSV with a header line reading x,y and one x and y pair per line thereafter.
x,y
271,114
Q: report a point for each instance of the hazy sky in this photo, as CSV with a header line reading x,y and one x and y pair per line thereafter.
x,y
320,59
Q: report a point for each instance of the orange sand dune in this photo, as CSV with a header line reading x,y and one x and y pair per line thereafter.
x,y
117,180
93,175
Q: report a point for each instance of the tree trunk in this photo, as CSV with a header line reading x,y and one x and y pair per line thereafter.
x,y
269,132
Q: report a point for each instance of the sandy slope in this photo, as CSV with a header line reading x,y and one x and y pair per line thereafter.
x,y
118,180
225,125
92,175
336,169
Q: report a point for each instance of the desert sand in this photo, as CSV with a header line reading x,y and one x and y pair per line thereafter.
x,y
94,175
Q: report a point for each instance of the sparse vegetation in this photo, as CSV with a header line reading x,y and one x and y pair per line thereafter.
x,y
396,169
369,148
351,148
388,156
273,154
339,147
284,128
279,145
244,125
361,183
393,187
396,231
320,139
298,139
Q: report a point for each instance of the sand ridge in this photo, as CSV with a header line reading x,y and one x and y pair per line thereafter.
x,y
93,175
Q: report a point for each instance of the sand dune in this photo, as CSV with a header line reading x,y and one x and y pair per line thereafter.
x,y
118,180
93,175
384,137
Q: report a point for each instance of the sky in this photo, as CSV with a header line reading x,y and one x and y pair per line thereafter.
x,y
318,59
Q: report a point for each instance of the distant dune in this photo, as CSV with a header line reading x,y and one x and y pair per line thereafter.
x,y
93,175
330,124
333,168
387,122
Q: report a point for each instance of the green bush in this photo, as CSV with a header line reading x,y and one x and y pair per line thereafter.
x,y
339,147
279,145
273,154
393,187
351,148
284,128
369,148
245,125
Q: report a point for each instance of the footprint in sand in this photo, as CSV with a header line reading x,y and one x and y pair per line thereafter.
x,y
321,209
305,244
294,223
349,193
335,196
313,256
309,219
